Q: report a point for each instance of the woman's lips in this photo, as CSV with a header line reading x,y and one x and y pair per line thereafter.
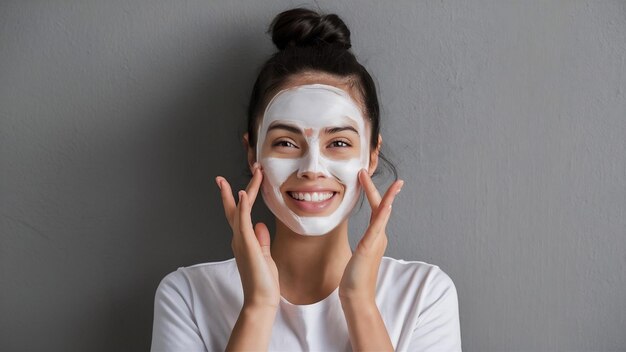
x,y
311,202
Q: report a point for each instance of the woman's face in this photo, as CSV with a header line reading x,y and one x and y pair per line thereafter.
x,y
312,141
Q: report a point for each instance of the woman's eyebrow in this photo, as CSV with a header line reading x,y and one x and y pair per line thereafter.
x,y
331,130
285,127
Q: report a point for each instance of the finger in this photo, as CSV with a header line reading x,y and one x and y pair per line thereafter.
x,y
371,192
245,222
255,183
227,198
376,226
391,193
381,216
263,236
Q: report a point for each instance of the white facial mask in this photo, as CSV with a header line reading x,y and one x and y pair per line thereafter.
x,y
312,108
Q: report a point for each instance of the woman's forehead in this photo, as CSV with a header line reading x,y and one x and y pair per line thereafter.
x,y
310,77
314,105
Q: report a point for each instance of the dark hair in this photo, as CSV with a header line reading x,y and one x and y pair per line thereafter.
x,y
311,42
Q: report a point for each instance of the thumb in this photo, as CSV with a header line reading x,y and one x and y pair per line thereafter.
x,y
263,236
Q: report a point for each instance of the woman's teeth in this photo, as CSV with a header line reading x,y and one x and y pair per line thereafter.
x,y
311,196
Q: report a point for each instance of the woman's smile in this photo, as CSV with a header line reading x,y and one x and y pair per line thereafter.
x,y
314,197
312,201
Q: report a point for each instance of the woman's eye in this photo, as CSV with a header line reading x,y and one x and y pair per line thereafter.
x,y
286,144
340,144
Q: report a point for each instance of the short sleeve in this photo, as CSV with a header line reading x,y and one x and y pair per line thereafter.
x,y
174,327
438,328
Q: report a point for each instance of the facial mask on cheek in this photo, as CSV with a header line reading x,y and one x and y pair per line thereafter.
x,y
312,108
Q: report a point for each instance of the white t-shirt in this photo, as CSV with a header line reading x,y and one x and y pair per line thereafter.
x,y
196,307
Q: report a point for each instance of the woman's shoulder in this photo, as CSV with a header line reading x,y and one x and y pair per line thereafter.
x,y
426,298
186,278
401,265
415,274
215,267
223,266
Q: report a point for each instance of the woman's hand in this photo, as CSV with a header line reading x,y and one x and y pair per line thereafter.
x,y
358,284
357,289
251,246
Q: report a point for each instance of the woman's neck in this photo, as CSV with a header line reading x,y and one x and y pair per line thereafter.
x,y
310,267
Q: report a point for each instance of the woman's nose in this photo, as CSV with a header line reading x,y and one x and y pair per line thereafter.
x,y
310,166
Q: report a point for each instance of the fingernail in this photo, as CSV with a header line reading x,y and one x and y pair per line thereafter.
x,y
400,188
255,166
217,180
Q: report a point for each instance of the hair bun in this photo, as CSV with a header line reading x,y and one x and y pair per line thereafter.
x,y
304,27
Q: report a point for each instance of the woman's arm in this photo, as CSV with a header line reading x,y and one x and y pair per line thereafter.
x,y
357,289
438,327
253,329
174,326
257,269
366,327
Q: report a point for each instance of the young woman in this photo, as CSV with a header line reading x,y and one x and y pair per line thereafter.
x,y
313,142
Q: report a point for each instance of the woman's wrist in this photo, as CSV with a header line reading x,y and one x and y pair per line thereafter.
x,y
366,327
364,306
259,309
264,315
253,328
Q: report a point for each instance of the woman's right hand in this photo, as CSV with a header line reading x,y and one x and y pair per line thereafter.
x,y
251,246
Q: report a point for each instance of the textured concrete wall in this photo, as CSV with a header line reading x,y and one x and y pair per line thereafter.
x,y
507,119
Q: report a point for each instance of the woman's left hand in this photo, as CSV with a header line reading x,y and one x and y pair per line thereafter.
x,y
358,284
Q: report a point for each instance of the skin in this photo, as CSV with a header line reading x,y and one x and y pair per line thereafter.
x,y
306,269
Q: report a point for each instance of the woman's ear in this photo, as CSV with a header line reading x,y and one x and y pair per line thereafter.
x,y
374,156
249,150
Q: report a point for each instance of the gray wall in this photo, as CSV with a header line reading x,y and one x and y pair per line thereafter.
x,y
507,119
